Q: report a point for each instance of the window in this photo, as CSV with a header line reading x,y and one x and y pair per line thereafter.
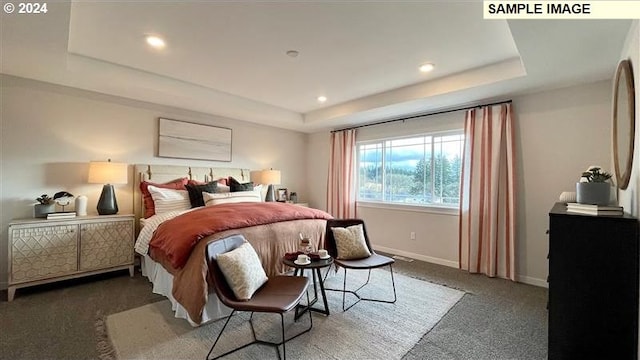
x,y
420,170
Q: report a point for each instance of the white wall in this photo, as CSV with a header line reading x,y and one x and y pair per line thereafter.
x,y
50,133
559,133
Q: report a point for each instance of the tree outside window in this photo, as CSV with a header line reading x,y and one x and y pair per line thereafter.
x,y
420,170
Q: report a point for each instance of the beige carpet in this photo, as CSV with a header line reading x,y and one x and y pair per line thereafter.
x,y
366,331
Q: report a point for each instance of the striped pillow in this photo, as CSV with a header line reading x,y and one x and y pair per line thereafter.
x,y
149,209
231,197
166,200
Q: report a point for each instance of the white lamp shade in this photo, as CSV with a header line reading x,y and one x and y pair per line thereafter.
x,y
106,172
266,177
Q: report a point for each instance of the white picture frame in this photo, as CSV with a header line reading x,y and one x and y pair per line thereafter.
x,y
186,140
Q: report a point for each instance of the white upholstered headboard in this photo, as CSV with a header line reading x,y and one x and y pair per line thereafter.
x,y
166,173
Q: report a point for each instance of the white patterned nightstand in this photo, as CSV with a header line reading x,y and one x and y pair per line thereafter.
x,y
42,251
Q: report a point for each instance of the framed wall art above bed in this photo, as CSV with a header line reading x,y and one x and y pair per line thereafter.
x,y
185,140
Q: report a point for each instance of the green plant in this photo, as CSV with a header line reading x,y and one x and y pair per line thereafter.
x,y
44,199
594,174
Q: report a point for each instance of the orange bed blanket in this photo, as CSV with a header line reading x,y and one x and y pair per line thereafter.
x,y
174,240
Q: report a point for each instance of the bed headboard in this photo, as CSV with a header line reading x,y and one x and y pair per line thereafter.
x,y
166,173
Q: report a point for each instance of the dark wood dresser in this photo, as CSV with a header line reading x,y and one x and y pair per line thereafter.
x,y
593,286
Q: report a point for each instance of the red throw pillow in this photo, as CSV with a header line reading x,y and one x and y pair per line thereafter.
x,y
149,206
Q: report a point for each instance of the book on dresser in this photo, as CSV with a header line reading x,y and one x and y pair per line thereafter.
x,y
61,215
589,209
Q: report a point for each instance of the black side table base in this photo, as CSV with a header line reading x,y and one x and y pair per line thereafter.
x,y
314,266
301,309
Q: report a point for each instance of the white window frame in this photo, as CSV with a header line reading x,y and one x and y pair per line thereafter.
x,y
430,208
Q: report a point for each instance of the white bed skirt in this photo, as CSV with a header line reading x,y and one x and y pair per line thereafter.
x,y
163,283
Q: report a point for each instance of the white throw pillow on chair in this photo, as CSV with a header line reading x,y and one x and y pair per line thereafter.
x,y
350,242
242,270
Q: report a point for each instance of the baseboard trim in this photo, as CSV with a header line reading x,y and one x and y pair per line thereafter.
x,y
454,264
429,259
532,281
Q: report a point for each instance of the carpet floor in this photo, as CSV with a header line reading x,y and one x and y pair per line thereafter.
x,y
369,330
496,319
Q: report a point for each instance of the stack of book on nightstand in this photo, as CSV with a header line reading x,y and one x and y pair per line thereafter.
x,y
594,209
61,215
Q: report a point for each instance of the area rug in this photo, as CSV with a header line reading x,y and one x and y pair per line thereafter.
x,y
369,330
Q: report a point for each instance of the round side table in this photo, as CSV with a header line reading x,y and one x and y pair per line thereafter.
x,y
314,266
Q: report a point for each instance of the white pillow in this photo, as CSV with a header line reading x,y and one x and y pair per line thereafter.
x,y
232,197
166,200
220,188
350,242
242,270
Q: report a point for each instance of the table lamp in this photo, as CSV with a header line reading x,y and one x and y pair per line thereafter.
x,y
107,173
267,177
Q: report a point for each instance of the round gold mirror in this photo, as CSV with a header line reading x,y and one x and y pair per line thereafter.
x,y
624,123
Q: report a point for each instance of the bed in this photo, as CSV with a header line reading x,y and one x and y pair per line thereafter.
x,y
183,279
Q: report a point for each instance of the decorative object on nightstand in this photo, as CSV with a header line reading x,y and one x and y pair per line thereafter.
x,y
63,199
107,173
293,197
283,195
267,177
81,205
594,187
44,206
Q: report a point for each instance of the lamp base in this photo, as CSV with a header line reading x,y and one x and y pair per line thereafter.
x,y
107,205
271,194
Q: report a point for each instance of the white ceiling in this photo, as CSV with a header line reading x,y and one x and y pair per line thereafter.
x,y
229,58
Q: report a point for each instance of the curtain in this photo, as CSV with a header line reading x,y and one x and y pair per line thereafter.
x,y
487,194
341,197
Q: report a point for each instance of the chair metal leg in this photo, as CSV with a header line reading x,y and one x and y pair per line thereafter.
x,y
256,340
284,349
344,290
219,335
360,298
326,275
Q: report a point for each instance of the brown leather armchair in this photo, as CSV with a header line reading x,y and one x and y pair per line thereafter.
x,y
372,262
279,294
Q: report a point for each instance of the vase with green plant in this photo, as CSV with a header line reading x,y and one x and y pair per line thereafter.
x,y
44,206
594,187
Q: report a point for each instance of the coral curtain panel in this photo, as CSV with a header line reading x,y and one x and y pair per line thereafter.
x,y
487,196
341,196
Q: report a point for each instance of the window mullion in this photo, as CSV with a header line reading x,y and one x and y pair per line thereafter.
x,y
433,170
384,171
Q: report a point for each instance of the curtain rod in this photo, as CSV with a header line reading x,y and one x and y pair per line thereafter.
x,y
421,115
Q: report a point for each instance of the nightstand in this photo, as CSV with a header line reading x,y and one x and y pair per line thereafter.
x,y
43,251
302,204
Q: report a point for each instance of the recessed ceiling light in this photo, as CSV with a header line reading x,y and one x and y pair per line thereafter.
x,y
293,53
426,67
155,41
322,99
